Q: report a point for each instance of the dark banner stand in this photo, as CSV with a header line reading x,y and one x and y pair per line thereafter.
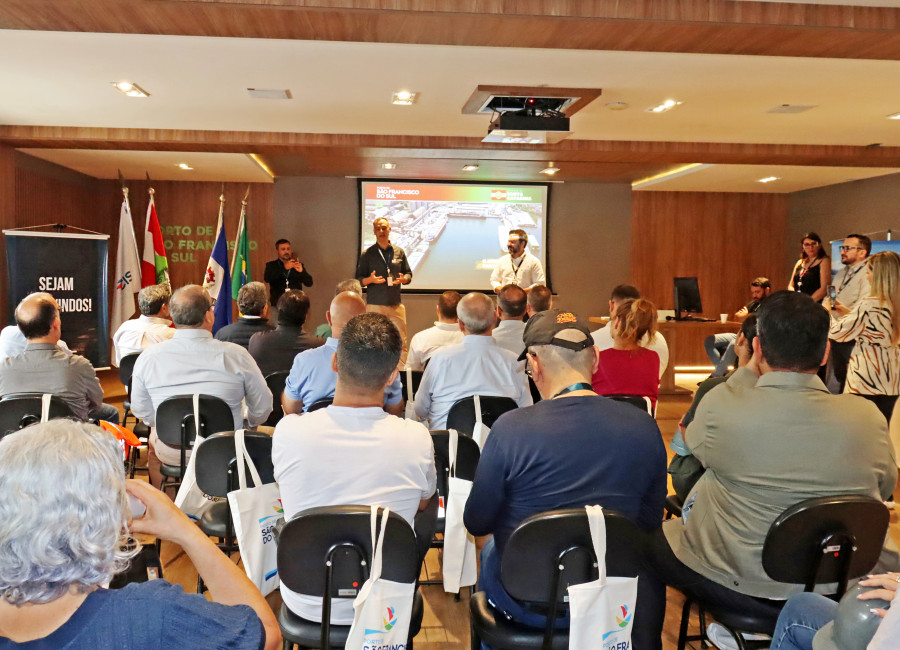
x,y
72,267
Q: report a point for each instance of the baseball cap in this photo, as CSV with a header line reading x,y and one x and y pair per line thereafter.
x,y
854,624
543,327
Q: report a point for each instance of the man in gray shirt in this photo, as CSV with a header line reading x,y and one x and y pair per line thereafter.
x,y
44,368
851,286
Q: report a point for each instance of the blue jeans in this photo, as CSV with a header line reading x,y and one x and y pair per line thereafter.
x,y
720,350
802,616
106,412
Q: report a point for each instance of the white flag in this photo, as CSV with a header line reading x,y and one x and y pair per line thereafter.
x,y
128,271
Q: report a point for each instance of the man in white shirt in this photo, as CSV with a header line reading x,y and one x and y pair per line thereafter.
x,y
511,303
444,333
603,336
852,285
352,452
152,326
194,362
519,266
477,366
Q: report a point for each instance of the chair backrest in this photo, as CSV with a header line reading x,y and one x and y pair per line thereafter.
x,y
467,455
643,403
342,535
19,410
126,368
275,381
416,380
216,464
825,540
462,414
546,541
320,404
175,419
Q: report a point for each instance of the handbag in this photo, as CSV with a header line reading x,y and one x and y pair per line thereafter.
x,y
382,608
254,511
410,413
459,563
190,499
480,431
601,611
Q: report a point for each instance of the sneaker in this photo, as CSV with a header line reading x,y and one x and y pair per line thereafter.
x,y
889,504
722,639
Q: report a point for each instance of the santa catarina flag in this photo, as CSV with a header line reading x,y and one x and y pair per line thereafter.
x,y
216,281
154,265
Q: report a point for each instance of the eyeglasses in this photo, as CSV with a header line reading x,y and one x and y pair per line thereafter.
x,y
528,368
851,248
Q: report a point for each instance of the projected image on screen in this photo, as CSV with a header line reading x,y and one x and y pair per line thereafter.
x,y
454,233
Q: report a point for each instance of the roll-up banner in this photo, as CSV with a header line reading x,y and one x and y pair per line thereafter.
x,y
73,269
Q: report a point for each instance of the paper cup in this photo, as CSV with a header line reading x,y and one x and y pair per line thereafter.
x,y
723,317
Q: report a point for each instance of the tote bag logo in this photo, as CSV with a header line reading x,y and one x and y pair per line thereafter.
x,y
626,617
390,620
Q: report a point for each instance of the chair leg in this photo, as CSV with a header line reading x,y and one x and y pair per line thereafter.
x,y
685,617
701,613
287,645
201,587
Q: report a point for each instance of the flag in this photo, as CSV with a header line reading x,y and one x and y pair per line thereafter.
x,y
240,263
154,265
217,281
128,270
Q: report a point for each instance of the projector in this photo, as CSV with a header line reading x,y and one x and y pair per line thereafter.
x,y
524,127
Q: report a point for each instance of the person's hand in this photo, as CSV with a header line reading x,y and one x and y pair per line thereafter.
x,y
163,518
375,279
497,289
297,266
888,583
838,308
753,365
740,313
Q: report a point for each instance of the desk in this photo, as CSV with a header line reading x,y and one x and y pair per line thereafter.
x,y
685,341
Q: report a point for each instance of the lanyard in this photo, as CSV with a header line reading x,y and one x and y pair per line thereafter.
x,y
849,277
571,389
386,258
516,268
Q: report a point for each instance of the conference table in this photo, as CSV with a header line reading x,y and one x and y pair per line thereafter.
x,y
685,340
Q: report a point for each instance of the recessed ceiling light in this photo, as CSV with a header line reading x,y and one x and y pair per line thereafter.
x,y
388,165
665,106
403,98
617,106
895,116
183,166
130,89
470,168
768,179
550,170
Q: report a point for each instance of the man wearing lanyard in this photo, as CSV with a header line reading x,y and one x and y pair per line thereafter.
x,y
382,268
519,266
852,286
284,273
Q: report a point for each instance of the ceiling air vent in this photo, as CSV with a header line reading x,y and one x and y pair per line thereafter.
x,y
791,108
269,93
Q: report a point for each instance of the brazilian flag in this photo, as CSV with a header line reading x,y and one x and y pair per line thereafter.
x,y
240,268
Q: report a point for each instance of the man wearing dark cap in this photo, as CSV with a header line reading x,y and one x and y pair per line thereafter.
x,y
570,450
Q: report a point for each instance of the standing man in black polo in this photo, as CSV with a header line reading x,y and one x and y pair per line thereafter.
x,y
382,269
287,272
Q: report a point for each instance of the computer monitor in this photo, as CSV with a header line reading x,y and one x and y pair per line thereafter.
x,y
687,297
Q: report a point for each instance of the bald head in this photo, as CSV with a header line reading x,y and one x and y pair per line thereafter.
x,y
189,307
476,313
344,306
38,318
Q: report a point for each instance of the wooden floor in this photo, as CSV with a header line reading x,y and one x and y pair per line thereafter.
x,y
446,622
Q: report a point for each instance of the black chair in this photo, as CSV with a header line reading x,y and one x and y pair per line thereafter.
x,y
416,380
19,410
126,369
467,455
275,381
326,552
545,554
674,504
320,404
462,414
640,401
217,475
817,541
175,427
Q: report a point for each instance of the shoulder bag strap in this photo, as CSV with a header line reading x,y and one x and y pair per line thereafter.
x,y
598,536
45,406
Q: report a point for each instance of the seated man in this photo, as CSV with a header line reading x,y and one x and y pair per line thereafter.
x,y
445,332
770,437
152,326
45,368
193,362
720,347
312,377
569,450
54,592
603,338
539,299
511,304
353,452
274,350
354,285
253,305
477,366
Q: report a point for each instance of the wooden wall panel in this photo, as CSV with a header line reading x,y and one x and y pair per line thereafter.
x,y
724,239
7,214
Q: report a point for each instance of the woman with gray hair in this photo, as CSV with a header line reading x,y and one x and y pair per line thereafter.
x,y
66,529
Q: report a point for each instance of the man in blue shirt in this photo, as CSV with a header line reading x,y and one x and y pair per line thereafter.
x,y
570,450
312,377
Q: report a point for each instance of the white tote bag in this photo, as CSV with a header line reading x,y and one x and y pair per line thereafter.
x,y
190,498
459,565
410,397
382,608
254,512
481,430
602,611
